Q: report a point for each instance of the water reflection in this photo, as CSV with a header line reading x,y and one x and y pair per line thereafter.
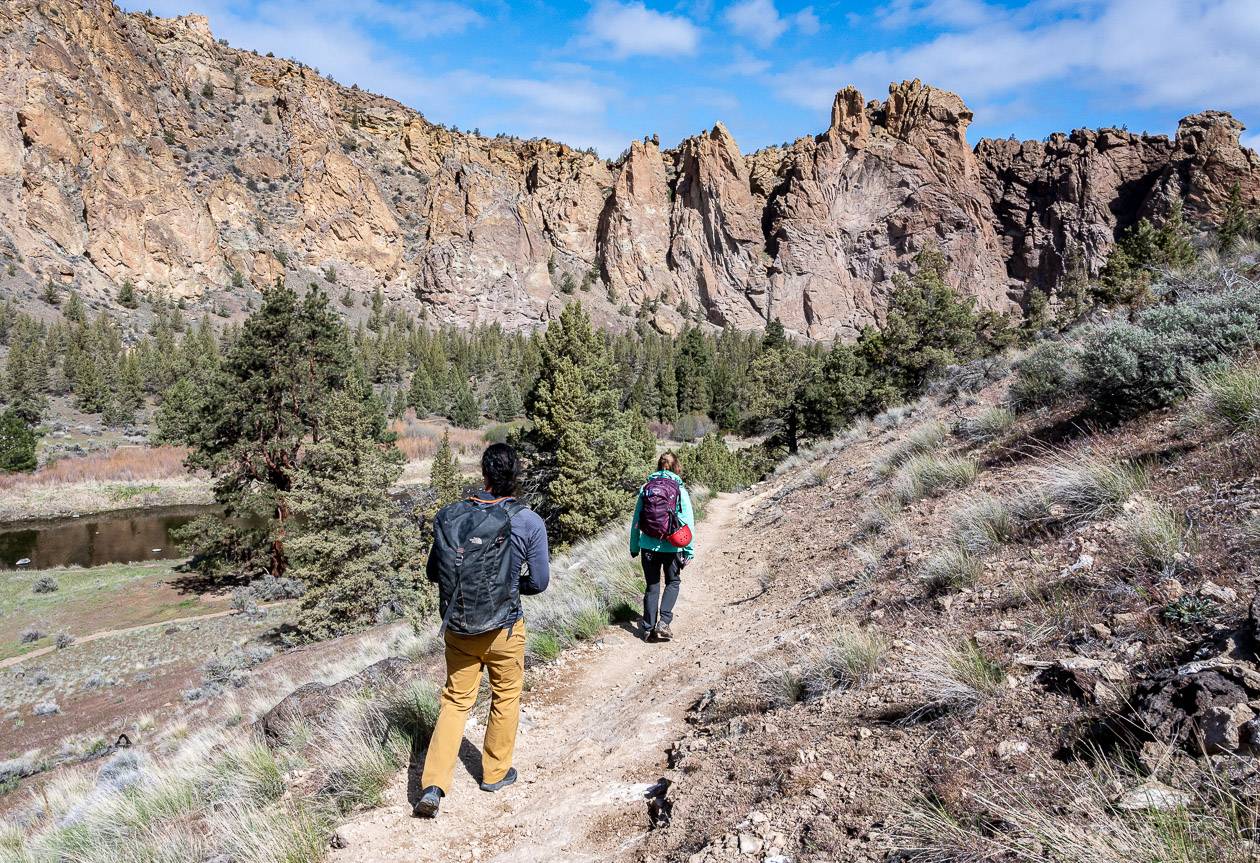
x,y
123,537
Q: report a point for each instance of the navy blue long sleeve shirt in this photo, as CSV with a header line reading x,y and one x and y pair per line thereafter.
x,y
529,549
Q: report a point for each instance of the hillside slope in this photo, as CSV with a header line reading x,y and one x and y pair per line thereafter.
x,y
134,148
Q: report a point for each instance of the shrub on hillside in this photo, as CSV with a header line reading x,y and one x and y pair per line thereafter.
x,y
45,584
1128,368
1048,375
692,426
711,463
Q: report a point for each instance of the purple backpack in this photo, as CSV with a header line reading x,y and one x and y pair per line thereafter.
x,y
658,515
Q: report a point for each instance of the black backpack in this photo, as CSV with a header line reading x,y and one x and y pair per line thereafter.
x,y
472,544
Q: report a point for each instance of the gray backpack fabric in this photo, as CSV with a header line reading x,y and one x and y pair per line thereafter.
x,y
472,543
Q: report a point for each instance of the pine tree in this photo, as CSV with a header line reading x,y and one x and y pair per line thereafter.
x,y
420,395
18,440
928,327
265,405
51,294
506,403
74,310
1235,224
444,477
667,388
360,560
463,409
127,295
26,372
694,371
588,454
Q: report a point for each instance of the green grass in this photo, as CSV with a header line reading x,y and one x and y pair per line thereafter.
x,y
1161,537
1078,487
74,583
952,568
126,493
983,524
543,646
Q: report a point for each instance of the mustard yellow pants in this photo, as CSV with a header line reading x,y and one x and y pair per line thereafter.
x,y
503,655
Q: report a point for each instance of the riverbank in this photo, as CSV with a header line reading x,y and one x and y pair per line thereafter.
x,y
35,501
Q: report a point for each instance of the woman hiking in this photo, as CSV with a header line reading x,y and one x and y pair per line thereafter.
x,y
661,530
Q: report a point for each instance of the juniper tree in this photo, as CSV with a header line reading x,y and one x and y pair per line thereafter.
x,y
360,559
463,409
420,394
264,406
18,440
588,454
1236,224
127,295
444,477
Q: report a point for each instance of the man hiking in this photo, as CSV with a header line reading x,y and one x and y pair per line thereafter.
x,y
480,546
661,530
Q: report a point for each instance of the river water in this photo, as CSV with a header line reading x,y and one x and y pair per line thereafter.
x,y
125,536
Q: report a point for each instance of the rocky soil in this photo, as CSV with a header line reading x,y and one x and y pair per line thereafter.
x,y
140,148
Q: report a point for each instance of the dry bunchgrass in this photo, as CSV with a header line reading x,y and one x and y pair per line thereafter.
x,y
1162,538
923,439
419,439
1076,487
1077,819
951,568
1230,397
954,677
983,523
986,425
928,475
849,659
124,464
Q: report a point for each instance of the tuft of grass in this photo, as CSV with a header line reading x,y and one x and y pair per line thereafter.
x,y
983,524
413,709
1074,488
779,685
1230,397
542,646
849,660
1079,817
293,832
952,568
248,771
924,439
955,677
926,476
1162,538
986,426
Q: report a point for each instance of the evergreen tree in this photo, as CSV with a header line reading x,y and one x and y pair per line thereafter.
x,y
1236,224
694,372
463,409
26,371
667,389
359,558
420,395
127,295
838,394
52,293
1142,251
266,405
927,328
444,477
775,391
506,403
74,310
18,440
588,454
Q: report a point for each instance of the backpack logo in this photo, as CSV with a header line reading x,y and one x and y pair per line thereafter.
x,y
475,540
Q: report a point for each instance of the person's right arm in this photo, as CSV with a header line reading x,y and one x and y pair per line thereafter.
x,y
634,526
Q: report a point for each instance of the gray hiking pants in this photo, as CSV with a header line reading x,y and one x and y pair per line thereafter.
x,y
658,608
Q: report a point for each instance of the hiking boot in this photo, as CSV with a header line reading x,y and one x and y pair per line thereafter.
x,y
662,632
507,780
427,805
646,631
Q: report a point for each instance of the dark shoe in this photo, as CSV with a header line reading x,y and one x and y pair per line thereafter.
x,y
427,805
663,633
507,780
645,631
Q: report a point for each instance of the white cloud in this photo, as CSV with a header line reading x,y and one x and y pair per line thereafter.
x,y
806,21
746,64
947,13
757,20
633,29
1179,53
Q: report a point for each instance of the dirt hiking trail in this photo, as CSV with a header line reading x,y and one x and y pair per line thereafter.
x,y
594,733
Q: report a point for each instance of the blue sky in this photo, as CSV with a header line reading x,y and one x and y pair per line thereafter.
x,y
601,73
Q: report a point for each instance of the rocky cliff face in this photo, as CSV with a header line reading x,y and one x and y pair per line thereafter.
x,y
140,149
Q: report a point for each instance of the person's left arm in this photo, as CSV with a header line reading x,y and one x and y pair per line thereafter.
x,y
688,517
536,555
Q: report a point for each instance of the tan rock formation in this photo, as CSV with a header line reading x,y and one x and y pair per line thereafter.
x,y
142,148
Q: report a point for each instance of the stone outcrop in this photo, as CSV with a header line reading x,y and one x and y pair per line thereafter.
x,y
143,149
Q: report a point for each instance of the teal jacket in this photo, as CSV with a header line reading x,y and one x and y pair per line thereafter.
x,y
685,515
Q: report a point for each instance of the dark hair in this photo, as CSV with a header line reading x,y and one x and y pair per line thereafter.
x,y
500,467
668,461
